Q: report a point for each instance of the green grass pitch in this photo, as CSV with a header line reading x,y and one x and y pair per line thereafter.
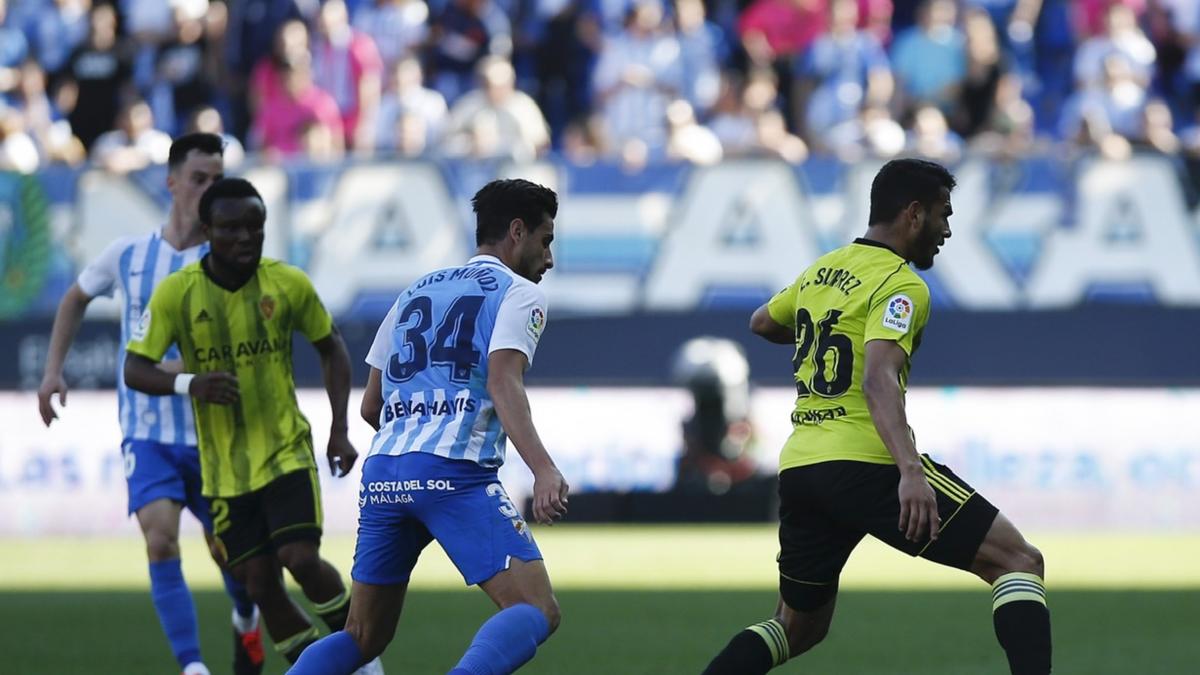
x,y
653,600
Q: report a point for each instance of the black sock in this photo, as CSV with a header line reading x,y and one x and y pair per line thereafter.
x,y
335,612
1022,622
755,650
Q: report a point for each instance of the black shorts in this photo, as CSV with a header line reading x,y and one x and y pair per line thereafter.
x,y
826,509
285,510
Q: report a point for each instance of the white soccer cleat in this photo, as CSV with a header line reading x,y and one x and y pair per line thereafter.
x,y
373,667
195,668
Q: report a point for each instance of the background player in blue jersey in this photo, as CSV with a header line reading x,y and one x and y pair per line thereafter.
x,y
446,388
162,464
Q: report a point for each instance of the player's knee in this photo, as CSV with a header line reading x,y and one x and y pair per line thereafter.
x,y
1032,560
804,632
371,642
552,612
161,546
302,561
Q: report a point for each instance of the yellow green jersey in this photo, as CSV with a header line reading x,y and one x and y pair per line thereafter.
x,y
848,297
247,332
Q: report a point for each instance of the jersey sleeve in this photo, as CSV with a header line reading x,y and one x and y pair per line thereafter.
x,y
782,307
377,356
100,277
898,311
157,329
520,320
309,315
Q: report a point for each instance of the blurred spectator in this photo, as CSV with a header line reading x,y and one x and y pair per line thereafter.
x,y
291,46
569,42
780,29
43,121
875,17
874,133
1121,37
58,29
1009,128
732,120
772,139
1157,129
687,140
462,35
18,152
842,70
95,79
1107,118
985,68
249,36
931,137
134,144
398,27
496,120
1092,15
283,124
182,82
1170,26
13,50
581,141
347,65
207,119
930,59
702,46
638,73
407,106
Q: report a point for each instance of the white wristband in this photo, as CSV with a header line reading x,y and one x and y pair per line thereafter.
x,y
182,382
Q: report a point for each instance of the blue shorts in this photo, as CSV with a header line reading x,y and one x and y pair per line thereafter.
x,y
406,501
156,471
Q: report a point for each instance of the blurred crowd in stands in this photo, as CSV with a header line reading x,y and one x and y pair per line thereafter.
x,y
636,81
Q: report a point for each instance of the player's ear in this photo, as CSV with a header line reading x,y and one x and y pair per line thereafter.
x,y
516,229
914,215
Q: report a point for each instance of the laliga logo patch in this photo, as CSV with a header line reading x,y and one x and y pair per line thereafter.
x,y
537,321
898,314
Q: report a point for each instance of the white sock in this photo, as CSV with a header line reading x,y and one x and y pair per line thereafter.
x,y
195,668
245,624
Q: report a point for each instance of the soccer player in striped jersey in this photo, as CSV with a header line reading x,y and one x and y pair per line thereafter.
x,y
162,464
851,466
445,391
232,314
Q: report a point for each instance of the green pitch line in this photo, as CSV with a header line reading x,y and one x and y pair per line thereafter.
x,y
647,557
607,632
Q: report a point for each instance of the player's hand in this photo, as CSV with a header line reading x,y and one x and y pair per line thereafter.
x,y
549,496
51,385
219,388
919,518
341,453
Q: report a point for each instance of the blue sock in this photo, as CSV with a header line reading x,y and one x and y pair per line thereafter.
x,y
237,592
505,642
332,654
176,613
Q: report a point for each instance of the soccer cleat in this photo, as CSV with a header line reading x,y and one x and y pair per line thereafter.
x,y
372,667
195,668
248,655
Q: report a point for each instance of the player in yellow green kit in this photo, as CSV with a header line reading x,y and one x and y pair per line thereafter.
x,y
232,314
851,466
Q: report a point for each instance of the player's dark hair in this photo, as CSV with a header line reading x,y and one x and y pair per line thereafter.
x,y
209,144
501,201
227,188
903,181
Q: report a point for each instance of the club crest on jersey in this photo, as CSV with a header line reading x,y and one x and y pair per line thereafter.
x,y
267,306
898,314
537,321
142,327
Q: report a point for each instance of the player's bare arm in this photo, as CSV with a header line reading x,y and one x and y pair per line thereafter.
x,y
372,401
62,335
506,386
885,401
764,326
145,376
335,369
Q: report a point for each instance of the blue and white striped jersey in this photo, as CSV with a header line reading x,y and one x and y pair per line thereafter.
x,y
432,350
136,264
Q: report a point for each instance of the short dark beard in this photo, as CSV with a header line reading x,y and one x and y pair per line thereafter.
x,y
924,247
